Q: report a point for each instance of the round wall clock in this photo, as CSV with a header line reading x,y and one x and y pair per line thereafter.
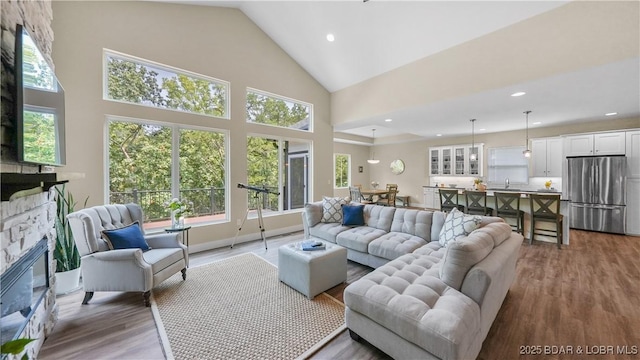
x,y
397,167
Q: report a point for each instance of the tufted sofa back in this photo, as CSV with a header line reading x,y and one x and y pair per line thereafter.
x,y
87,224
413,222
379,217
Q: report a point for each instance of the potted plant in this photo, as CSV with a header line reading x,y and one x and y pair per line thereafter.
x,y
66,253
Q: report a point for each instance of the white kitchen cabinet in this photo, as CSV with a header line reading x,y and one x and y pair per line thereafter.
x,y
431,197
633,206
610,143
546,157
455,160
633,154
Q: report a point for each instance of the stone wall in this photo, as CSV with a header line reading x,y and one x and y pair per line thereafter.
x,y
23,222
36,17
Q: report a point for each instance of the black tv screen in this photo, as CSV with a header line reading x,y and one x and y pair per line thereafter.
x,y
39,106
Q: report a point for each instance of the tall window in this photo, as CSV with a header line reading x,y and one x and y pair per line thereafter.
x,y
341,170
507,162
281,165
133,80
151,163
275,110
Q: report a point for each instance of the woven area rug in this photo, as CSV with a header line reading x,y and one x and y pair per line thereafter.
x,y
238,309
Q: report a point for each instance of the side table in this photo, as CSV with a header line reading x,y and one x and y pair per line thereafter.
x,y
185,233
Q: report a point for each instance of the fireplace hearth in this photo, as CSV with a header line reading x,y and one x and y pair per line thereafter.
x,y
23,286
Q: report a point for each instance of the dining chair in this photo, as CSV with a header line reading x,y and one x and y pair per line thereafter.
x,y
477,203
506,209
449,200
389,199
546,208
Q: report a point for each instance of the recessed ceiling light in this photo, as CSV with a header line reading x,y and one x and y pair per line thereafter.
x,y
330,37
611,114
388,120
482,129
537,123
438,134
519,93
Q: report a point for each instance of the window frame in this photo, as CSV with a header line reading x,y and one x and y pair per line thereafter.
x,y
172,69
282,168
283,98
175,161
348,182
491,166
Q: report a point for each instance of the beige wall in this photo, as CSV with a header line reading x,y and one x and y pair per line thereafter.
x,y
414,154
575,36
218,42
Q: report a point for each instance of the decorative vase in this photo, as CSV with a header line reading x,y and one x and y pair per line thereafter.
x,y
67,281
177,220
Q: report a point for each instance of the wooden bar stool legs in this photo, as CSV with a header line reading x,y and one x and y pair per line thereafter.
x,y
508,207
546,208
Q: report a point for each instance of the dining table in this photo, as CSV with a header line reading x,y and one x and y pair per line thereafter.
x,y
368,194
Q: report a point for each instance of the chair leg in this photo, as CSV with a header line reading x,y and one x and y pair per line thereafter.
x,y
147,298
559,233
184,274
87,296
533,227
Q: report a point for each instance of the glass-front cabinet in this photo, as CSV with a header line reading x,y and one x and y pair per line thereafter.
x,y
455,160
446,161
434,161
460,154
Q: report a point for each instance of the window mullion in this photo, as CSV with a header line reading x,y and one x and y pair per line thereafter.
x,y
175,162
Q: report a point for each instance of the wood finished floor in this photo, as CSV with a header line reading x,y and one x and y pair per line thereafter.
x,y
584,295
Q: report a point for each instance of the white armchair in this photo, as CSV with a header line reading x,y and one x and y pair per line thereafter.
x,y
123,269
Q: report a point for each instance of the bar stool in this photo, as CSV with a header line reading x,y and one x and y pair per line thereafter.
x,y
546,207
506,210
477,202
449,200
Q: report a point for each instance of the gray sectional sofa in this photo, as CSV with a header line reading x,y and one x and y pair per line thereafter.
x,y
423,300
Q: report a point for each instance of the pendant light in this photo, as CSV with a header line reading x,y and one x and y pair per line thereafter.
x,y
473,155
527,153
373,159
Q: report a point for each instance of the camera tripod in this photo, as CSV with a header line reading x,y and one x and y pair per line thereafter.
x,y
259,202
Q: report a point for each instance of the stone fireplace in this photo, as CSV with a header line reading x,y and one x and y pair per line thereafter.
x,y
27,224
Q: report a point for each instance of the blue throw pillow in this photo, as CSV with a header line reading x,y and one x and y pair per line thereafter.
x,y
353,215
128,237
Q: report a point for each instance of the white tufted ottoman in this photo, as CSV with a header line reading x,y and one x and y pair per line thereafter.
x,y
312,272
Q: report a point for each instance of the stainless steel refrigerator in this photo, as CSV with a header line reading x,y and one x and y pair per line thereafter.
x,y
596,193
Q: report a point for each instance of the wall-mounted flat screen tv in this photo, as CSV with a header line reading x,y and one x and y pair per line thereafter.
x,y
39,106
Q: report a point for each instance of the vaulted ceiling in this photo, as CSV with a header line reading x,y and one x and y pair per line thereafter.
x,y
375,41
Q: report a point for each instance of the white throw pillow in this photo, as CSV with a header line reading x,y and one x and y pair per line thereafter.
x,y
457,224
332,209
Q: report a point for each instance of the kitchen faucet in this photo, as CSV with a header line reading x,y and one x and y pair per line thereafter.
x,y
506,183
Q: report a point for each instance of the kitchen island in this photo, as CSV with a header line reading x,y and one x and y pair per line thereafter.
x,y
525,205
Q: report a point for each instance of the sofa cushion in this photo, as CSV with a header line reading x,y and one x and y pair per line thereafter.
x,y
461,254
126,237
358,238
457,224
395,244
405,297
332,209
413,222
327,231
379,217
352,215
159,259
313,213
